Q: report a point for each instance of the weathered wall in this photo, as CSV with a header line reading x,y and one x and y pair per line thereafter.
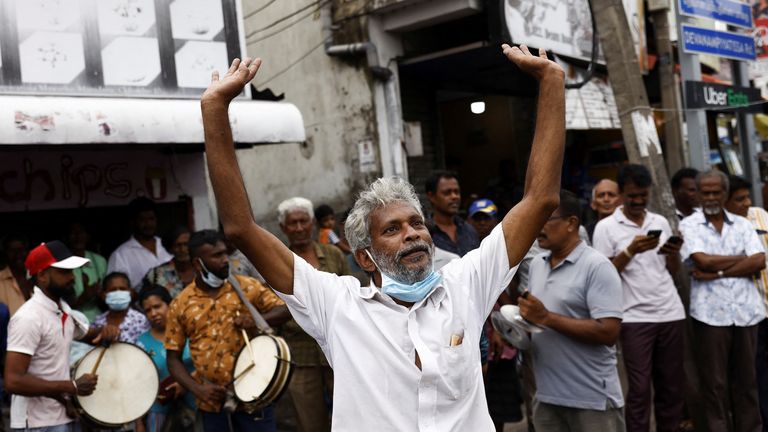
x,y
334,97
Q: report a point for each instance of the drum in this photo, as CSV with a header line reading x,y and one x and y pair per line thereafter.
x,y
127,386
259,382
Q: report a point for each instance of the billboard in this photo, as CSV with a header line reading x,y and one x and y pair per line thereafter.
x,y
565,26
150,48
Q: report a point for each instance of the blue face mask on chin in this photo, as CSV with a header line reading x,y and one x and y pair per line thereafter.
x,y
410,293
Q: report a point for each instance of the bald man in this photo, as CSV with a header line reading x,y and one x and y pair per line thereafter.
x,y
605,199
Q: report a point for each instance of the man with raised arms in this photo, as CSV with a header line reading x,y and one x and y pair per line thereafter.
x,y
404,350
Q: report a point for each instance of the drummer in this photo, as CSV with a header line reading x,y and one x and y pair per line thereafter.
x,y
206,314
39,337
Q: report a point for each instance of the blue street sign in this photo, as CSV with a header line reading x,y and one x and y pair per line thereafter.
x,y
722,44
728,11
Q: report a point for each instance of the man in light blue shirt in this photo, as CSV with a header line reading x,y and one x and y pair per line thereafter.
x,y
576,293
725,252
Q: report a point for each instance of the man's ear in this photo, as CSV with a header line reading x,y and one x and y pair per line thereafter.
x,y
196,265
364,261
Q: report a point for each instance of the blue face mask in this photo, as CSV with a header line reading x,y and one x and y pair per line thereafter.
x,y
118,300
410,293
209,278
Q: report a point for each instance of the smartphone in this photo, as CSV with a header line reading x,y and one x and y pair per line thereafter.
x,y
676,240
654,233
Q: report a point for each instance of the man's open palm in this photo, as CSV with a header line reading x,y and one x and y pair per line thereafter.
x,y
226,88
536,66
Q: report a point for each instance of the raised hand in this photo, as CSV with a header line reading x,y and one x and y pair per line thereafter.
x,y
536,66
226,88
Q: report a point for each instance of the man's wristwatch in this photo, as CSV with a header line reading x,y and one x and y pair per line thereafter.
x,y
720,274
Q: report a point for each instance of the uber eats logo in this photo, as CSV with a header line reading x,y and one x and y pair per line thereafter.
x,y
727,97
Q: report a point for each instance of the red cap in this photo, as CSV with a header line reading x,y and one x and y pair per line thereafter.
x,y
52,254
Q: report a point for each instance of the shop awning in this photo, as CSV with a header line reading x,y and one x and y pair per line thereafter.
x,y
86,120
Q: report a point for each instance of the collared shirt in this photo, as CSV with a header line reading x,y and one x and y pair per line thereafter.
x,y
466,237
759,218
650,294
135,260
371,343
133,325
569,373
304,349
730,300
44,331
167,277
10,293
208,323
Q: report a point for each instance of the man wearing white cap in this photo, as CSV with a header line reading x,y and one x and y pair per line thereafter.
x,y
39,338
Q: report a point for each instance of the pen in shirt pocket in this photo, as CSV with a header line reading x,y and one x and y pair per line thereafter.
x,y
457,338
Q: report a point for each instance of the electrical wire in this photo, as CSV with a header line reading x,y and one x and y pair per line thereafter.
x,y
291,24
255,11
289,16
293,63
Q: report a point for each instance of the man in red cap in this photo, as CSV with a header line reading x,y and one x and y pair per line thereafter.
x,y
39,338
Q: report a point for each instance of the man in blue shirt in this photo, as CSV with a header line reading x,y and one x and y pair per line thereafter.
x,y
575,292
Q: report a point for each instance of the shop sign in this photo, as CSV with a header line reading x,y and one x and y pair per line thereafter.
x,y
722,97
731,12
735,46
43,180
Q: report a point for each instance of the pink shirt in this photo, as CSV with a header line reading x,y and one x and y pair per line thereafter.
x,y
43,330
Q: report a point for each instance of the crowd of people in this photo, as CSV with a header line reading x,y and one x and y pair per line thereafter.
x,y
386,315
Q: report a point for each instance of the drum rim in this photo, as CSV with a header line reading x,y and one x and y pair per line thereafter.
x,y
76,399
282,363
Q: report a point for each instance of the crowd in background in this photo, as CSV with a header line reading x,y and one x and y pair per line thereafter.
x,y
645,288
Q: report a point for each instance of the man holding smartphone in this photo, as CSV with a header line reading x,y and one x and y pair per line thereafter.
x,y
642,248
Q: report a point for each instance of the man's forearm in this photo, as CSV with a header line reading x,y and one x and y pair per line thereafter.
x,y
715,263
277,315
30,385
589,331
180,374
746,266
620,261
223,168
545,164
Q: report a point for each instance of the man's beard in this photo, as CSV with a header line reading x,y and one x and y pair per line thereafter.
x,y
65,292
711,210
391,266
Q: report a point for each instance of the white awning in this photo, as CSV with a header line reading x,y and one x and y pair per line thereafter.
x,y
88,120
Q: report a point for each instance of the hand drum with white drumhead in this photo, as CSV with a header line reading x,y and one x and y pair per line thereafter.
x,y
127,386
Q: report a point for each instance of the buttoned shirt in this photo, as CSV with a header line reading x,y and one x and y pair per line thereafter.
x,y
371,343
135,260
10,293
759,218
304,349
44,331
570,373
208,323
730,300
134,325
650,294
466,237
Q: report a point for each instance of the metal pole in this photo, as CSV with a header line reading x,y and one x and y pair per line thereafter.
x,y
747,135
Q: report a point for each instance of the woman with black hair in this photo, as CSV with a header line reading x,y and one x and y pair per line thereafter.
x,y
177,273
174,408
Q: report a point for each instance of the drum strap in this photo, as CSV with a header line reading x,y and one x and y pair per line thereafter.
x,y
261,323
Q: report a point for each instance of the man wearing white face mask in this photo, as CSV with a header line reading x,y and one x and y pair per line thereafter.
x,y
209,314
403,349
118,296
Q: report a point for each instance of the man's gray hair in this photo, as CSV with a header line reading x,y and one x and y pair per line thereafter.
x,y
382,192
713,173
293,204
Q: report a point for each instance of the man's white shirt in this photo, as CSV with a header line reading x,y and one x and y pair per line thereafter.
x,y
371,343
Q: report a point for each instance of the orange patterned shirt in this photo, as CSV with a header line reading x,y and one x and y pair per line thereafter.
x,y
208,323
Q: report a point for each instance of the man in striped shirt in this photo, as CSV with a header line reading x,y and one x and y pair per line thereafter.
x,y
739,203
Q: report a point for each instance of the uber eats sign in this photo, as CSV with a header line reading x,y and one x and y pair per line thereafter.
x,y
722,97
